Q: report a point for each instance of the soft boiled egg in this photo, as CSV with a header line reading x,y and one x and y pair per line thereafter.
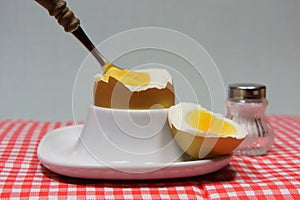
x,y
201,133
134,89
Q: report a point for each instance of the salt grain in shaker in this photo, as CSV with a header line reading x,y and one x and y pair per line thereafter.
x,y
246,105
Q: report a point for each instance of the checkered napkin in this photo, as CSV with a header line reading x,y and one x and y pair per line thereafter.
x,y
272,176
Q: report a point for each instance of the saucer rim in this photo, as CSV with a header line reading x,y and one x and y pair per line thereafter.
x,y
221,161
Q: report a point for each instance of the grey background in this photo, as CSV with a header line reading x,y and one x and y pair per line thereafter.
x,y
250,41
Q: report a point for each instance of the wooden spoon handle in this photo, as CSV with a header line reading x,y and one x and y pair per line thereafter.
x,y
64,16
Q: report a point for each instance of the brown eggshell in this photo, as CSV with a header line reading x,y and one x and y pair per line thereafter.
x,y
192,144
114,94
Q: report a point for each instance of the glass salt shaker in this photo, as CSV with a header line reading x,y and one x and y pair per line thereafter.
x,y
246,105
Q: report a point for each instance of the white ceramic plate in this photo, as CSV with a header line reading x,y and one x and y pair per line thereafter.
x,y
57,151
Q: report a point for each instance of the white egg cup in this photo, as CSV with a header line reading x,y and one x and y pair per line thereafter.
x,y
128,137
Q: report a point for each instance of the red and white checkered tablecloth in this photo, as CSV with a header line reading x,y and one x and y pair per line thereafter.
x,y
273,176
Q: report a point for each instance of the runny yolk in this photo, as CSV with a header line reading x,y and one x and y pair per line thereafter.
x,y
206,122
127,77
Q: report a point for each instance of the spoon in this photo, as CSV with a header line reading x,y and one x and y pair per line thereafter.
x,y
66,18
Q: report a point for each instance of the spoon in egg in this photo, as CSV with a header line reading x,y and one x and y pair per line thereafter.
x,y
67,19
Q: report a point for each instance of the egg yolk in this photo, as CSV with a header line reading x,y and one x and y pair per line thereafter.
x,y
206,122
126,76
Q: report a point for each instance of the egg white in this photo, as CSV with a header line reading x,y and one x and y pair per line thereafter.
x,y
178,112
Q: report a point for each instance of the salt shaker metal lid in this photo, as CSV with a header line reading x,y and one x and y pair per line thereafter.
x,y
244,91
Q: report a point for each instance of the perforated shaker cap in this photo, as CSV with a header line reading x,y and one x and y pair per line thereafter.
x,y
243,91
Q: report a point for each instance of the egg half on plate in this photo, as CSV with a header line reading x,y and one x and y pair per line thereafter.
x,y
201,133
134,89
